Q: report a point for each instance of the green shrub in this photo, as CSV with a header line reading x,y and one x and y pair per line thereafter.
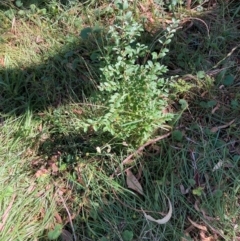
x,y
132,86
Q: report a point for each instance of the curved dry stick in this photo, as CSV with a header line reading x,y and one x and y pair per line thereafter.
x,y
6,213
200,20
141,148
69,216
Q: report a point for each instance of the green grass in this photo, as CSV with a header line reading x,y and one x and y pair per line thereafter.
x,y
52,171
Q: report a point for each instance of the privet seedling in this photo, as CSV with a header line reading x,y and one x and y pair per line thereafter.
x,y
132,85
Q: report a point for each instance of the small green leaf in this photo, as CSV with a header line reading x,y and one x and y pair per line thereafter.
x,y
42,11
198,191
63,167
177,135
128,15
18,3
8,191
54,234
200,74
218,193
127,235
211,103
33,7
229,80
122,5
183,103
203,104
236,158
125,5
208,104
9,13
154,55
199,8
78,23
21,12
95,56
234,104
191,182
85,32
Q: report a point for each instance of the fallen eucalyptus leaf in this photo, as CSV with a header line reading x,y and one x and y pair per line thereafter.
x,y
163,220
133,183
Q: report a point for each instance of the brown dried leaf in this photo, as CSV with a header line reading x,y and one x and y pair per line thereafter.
x,y
204,93
40,128
41,114
216,128
58,218
150,19
54,168
2,62
41,173
77,112
31,188
201,227
203,237
215,108
39,39
133,183
38,161
144,9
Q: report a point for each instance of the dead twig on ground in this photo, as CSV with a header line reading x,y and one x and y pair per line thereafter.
x,y
140,149
6,213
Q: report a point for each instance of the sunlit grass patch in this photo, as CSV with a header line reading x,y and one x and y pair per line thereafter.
x,y
27,206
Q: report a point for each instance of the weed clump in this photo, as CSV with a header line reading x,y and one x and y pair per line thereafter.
x,y
134,93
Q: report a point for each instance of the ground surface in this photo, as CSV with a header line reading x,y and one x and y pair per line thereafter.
x,y
59,181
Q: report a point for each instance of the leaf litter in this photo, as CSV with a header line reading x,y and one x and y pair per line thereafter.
x,y
163,220
133,183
